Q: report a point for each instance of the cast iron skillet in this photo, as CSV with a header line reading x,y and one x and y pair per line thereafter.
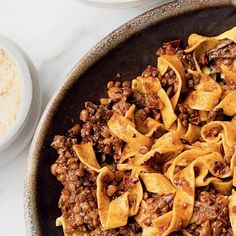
x,y
127,50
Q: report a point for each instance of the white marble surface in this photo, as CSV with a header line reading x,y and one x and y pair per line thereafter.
x,y
55,34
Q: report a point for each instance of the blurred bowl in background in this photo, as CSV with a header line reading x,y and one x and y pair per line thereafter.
x,y
125,3
21,131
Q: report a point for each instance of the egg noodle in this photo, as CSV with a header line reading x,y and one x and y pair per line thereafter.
x,y
191,153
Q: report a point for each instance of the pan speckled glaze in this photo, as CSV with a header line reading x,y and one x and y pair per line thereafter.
x,y
127,50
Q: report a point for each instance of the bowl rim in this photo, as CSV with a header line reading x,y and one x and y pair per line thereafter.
x,y
101,49
115,2
14,53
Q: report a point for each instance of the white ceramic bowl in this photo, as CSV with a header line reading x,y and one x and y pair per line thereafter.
x,y
22,130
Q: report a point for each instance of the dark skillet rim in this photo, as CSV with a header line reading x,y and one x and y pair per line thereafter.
x,y
101,49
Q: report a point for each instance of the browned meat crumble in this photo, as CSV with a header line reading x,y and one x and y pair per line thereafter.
x,y
211,215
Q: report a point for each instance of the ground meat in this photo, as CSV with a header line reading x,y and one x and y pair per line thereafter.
x,y
186,59
224,54
169,82
96,131
192,80
226,49
121,107
156,206
150,102
79,208
231,84
210,215
215,65
150,71
228,87
156,162
220,168
203,60
215,68
62,144
188,115
169,48
74,131
118,91
78,201
121,183
139,99
216,115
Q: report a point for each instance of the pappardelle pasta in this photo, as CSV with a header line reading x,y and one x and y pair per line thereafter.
x,y
157,157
